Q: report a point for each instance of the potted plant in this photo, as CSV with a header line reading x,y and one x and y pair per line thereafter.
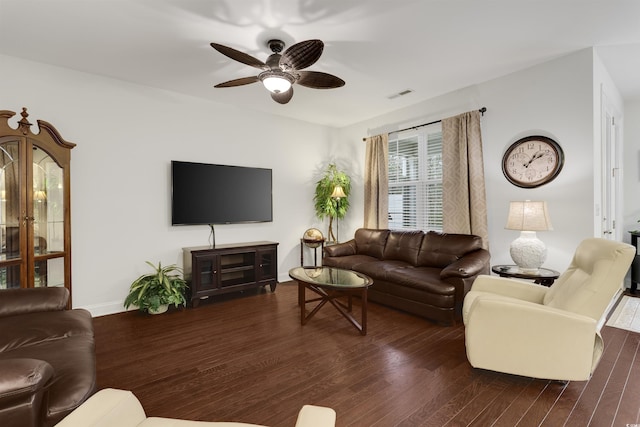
x,y
154,292
325,204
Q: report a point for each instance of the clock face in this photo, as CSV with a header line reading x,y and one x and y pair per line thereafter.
x,y
532,161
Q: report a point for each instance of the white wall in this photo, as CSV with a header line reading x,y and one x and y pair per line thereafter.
x,y
126,136
553,99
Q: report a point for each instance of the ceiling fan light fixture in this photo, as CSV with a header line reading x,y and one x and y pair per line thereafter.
x,y
281,71
276,81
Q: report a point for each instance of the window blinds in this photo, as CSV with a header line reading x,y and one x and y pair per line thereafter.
x,y
415,179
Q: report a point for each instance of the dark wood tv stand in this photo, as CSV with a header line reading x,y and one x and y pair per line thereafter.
x,y
229,268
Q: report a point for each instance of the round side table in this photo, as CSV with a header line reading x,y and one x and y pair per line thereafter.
x,y
313,244
544,276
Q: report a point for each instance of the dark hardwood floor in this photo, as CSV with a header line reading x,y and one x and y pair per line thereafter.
x,y
246,358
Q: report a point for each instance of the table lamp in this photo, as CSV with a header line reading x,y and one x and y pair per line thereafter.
x,y
527,251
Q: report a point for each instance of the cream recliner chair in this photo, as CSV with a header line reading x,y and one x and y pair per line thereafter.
x,y
111,407
551,333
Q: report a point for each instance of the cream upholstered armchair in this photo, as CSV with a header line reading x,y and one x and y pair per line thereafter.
x,y
112,407
551,333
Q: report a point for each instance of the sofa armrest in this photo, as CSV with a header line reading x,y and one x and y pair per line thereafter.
x,y
30,300
504,287
316,416
471,264
108,407
341,249
510,288
23,383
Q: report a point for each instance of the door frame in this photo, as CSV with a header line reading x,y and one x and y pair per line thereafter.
x,y
611,180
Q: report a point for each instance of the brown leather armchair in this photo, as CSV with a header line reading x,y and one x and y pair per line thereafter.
x,y
47,357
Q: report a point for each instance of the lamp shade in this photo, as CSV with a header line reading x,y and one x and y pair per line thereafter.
x,y
39,195
338,192
528,216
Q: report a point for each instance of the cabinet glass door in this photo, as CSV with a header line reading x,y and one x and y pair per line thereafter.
x,y
267,264
206,268
11,207
47,205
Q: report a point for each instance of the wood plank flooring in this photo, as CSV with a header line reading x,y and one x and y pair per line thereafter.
x,y
246,358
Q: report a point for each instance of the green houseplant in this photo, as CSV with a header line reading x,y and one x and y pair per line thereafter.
x,y
154,292
324,204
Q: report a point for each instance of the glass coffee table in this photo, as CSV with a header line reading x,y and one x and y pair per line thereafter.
x,y
331,283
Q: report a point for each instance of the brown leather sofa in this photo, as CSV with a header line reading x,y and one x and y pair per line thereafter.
x,y
47,357
427,274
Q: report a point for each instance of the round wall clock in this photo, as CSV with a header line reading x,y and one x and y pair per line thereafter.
x,y
532,161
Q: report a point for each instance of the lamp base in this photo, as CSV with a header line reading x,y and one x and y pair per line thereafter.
x,y
528,252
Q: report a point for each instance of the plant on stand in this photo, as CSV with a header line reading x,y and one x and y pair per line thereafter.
x,y
154,292
325,201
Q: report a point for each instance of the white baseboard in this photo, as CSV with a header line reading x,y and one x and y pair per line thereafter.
x,y
105,309
114,307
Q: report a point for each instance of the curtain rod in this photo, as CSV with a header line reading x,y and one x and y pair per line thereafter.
x,y
482,111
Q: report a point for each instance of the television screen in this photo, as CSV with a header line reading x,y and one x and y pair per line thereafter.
x,y
219,194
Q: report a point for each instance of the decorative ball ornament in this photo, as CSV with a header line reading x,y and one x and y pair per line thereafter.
x,y
312,238
313,272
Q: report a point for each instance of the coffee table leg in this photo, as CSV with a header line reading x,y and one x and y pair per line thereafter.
x,y
301,301
331,298
364,311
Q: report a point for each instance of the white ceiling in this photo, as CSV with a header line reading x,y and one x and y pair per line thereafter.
x,y
379,47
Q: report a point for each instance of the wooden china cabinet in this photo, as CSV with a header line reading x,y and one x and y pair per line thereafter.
x,y
35,220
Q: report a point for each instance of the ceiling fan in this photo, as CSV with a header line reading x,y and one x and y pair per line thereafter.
x,y
281,71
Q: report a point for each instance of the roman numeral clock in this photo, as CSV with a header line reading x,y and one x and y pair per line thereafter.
x,y
532,161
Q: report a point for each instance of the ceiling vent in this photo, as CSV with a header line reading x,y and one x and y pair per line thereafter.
x,y
401,93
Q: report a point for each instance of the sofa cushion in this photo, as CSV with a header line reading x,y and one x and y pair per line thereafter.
x,y
43,326
587,287
441,249
29,300
403,246
347,262
371,242
418,293
379,269
426,279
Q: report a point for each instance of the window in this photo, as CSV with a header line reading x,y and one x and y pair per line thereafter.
x,y
415,179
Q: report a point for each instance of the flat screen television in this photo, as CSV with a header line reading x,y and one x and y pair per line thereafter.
x,y
203,193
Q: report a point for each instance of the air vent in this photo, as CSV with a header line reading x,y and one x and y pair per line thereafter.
x,y
401,93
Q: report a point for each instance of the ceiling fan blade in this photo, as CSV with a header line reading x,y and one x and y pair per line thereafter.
x,y
303,54
238,56
283,97
318,80
238,82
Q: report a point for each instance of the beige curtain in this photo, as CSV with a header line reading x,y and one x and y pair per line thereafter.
x,y
464,197
376,182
